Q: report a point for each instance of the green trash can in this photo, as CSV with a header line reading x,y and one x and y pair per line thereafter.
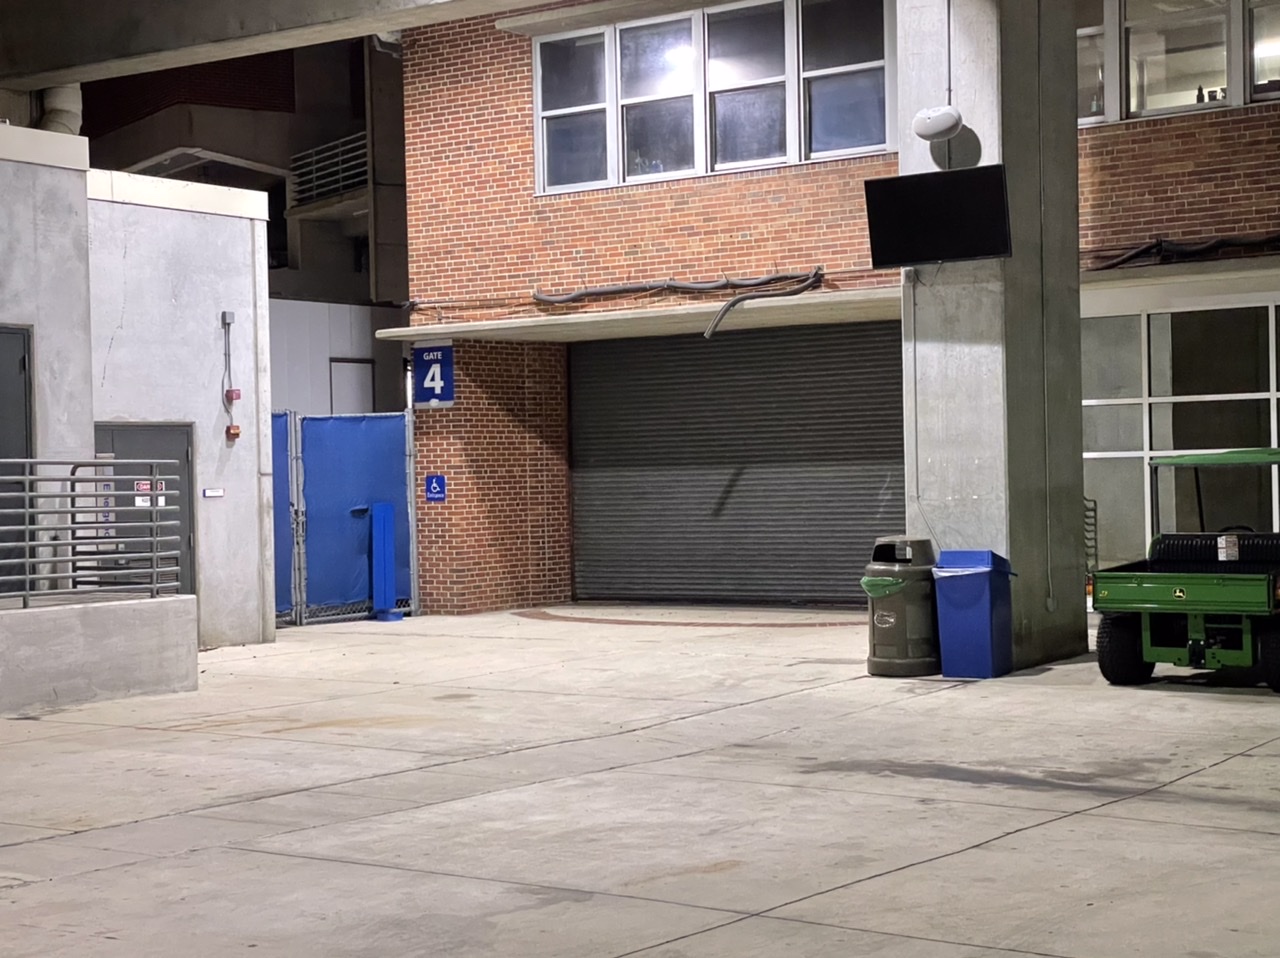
x,y
904,616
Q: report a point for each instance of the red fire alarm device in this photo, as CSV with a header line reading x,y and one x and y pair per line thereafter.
x,y
233,395
233,433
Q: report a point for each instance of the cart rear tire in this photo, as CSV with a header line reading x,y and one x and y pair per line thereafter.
x,y
1120,651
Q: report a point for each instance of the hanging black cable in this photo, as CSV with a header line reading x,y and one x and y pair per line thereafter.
x,y
811,280
1163,249
667,286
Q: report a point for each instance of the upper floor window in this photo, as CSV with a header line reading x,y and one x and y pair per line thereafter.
x,y
1264,35
1176,53
1090,59
716,89
1145,57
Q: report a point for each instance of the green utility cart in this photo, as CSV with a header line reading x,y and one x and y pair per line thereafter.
x,y
1206,600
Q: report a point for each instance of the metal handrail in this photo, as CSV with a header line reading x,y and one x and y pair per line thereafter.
x,y
330,170
78,527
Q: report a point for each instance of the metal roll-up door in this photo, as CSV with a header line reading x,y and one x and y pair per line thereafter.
x,y
754,467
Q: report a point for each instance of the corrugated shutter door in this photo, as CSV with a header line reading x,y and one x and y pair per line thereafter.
x,y
757,467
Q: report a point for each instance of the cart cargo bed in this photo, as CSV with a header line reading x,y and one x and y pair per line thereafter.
x,y
1186,575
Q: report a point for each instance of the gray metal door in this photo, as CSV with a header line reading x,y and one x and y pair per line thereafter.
x,y
15,440
159,442
757,467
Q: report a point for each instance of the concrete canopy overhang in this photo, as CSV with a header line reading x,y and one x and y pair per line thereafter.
x,y
850,306
39,48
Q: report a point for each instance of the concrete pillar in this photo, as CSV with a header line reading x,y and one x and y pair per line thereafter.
x,y
992,349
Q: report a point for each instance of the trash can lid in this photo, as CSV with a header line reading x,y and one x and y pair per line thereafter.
x,y
978,560
903,550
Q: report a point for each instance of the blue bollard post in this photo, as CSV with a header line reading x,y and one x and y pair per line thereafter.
x,y
383,540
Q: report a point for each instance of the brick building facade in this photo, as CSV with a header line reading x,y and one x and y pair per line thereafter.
x,y
483,239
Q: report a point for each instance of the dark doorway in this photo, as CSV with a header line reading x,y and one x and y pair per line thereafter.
x,y
124,442
15,443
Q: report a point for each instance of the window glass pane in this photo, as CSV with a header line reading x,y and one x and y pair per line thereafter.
x,y
1266,50
846,111
1118,487
659,136
745,45
576,151
1230,424
1113,429
750,124
572,72
1090,56
1088,14
1210,352
1239,496
1147,9
1111,357
657,60
840,33
1177,65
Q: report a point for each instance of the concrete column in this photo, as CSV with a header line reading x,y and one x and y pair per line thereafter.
x,y
992,349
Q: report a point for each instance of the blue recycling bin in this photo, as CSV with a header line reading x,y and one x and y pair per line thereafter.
x,y
975,617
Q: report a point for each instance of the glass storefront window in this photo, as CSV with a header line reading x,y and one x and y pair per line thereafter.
x,y
1183,382
1111,357
1117,487
1210,352
1230,424
1237,498
1113,428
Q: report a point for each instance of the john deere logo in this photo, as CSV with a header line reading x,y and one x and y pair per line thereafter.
x,y
1179,593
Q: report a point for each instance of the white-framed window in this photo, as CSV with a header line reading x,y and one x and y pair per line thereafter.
x,y
1091,60
734,86
1176,55
1264,43
1152,57
1202,378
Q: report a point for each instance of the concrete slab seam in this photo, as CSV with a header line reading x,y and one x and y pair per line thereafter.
x,y
386,866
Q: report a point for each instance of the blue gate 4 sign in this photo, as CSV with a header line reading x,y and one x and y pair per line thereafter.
x,y
437,489
432,376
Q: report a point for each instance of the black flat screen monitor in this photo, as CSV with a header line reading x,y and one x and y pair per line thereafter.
x,y
938,217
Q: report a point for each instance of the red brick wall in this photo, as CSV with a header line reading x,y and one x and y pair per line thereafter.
x,y
1187,177
503,538
263,82
481,241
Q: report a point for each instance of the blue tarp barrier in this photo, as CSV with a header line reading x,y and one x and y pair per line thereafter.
x,y
348,464
283,511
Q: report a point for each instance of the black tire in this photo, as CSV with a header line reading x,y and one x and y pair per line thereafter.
x,y
1120,651
1269,654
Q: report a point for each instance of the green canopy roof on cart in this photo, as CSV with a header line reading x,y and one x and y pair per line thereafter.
x,y
1236,457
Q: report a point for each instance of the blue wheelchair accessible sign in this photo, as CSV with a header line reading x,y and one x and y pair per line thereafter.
x,y
437,488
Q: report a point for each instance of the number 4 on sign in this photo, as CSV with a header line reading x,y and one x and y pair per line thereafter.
x,y
434,379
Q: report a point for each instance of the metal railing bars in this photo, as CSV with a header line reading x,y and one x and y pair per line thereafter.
x,y
80,527
333,169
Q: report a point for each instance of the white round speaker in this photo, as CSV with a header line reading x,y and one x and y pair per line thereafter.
x,y
937,123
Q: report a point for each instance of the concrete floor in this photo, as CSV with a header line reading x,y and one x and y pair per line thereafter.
x,y
673,784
